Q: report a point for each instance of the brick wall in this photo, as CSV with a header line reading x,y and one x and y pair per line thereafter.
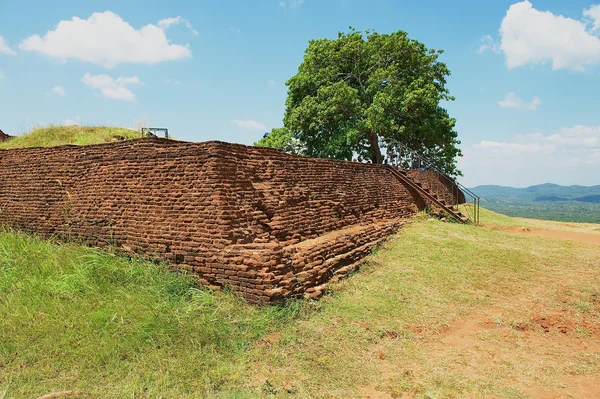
x,y
268,224
4,136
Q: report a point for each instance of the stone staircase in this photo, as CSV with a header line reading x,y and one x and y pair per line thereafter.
x,y
428,193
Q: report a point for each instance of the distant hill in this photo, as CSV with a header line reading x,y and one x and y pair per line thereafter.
x,y
541,192
544,201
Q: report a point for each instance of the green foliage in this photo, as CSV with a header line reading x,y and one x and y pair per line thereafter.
x,y
50,136
363,91
281,138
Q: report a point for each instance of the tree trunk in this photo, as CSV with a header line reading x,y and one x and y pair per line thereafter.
x,y
376,151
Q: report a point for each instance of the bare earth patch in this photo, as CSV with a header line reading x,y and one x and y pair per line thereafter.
x,y
540,337
589,238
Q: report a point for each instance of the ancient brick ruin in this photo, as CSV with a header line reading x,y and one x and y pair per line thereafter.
x,y
4,136
267,224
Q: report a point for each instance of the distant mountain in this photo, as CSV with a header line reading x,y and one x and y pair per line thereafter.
x,y
588,198
544,201
541,192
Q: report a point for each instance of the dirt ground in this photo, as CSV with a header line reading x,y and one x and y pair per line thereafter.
x,y
527,342
590,238
539,333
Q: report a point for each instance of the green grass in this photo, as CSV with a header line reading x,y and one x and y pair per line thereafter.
x,y
74,317
51,136
78,318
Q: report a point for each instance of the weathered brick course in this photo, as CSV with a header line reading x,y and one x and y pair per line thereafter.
x,y
268,224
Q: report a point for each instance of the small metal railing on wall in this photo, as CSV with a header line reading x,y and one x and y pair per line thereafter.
x,y
399,155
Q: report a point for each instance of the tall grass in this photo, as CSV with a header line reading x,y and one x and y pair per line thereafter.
x,y
55,135
72,317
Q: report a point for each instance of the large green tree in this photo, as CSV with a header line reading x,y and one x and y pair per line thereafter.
x,y
358,95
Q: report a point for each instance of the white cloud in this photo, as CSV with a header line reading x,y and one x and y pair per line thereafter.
x,y
531,37
106,39
514,147
487,43
271,82
172,81
290,3
165,23
249,124
71,122
513,101
1,75
112,88
577,136
581,140
235,29
4,48
593,14
58,90
569,156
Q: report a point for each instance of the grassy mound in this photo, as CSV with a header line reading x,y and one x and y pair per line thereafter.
x,y
51,136
75,318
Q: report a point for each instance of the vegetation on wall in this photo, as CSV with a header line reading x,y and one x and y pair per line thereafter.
x,y
54,135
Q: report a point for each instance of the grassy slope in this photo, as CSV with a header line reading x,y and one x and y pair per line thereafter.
x,y
78,318
72,316
60,135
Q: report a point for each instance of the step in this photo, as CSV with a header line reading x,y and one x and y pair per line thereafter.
x,y
312,263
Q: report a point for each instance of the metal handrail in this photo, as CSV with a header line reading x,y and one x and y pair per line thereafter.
x,y
453,182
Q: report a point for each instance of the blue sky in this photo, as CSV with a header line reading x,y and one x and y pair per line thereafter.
x,y
525,74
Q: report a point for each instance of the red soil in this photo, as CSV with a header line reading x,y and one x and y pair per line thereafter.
x,y
562,234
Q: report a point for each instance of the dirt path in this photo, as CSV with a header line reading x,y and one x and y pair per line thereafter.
x,y
589,238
